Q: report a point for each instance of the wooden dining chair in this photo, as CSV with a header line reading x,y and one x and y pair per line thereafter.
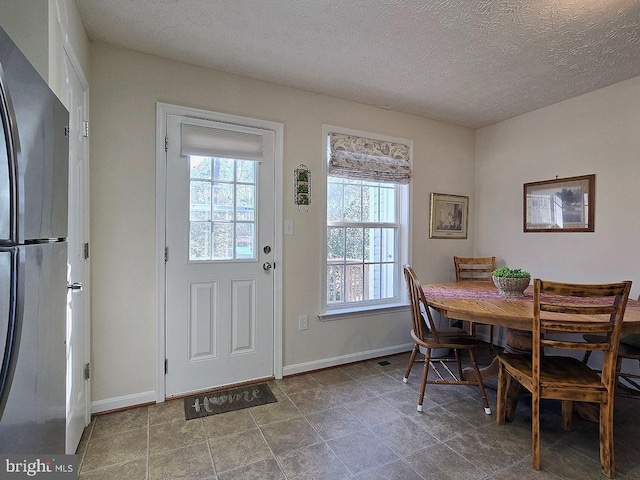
x,y
570,311
426,335
475,269
629,349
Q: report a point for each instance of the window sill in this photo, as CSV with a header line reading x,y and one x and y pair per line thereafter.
x,y
363,311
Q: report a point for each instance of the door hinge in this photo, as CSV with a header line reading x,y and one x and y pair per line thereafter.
x,y
166,254
166,366
66,131
166,143
87,371
86,251
85,127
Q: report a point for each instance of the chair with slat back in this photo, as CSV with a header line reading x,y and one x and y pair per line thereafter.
x,y
562,312
475,269
426,335
628,384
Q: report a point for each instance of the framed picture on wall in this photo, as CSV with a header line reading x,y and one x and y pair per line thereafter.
x,y
448,216
560,205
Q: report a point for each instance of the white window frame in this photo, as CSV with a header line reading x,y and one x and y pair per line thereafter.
x,y
403,247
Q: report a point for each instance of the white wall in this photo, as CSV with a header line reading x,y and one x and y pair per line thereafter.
x,y
594,133
40,29
125,88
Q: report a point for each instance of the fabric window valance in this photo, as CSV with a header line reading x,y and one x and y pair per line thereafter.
x,y
214,142
368,159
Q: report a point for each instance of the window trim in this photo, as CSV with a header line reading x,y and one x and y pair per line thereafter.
x,y
403,206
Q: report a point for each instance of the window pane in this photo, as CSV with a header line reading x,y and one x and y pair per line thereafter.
x,y
388,245
223,201
335,243
200,201
354,249
245,209
222,241
223,169
200,167
200,241
334,201
335,283
354,285
245,171
244,240
352,203
387,205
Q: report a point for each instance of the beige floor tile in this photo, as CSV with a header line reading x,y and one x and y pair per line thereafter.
x,y
334,422
397,470
373,411
330,377
266,469
168,411
352,391
314,400
228,423
298,383
238,450
439,462
189,463
119,422
178,434
403,436
361,451
274,412
316,462
133,470
113,449
290,434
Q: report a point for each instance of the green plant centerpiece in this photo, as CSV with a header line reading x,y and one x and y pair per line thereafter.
x,y
511,282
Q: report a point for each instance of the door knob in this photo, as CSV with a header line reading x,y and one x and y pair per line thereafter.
x,y
266,266
74,286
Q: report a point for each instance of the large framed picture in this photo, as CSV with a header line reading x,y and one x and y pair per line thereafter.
x,y
560,205
448,216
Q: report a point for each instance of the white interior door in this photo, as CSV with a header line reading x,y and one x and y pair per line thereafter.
x,y
77,339
219,268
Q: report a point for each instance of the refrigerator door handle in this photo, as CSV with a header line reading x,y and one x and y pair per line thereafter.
x,y
14,328
9,123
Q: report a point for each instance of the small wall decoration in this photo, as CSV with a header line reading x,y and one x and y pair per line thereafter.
x,y
302,186
448,216
560,205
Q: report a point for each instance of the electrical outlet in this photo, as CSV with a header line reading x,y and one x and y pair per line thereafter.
x,y
303,322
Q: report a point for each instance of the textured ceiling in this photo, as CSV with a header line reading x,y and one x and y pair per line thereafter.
x,y
466,62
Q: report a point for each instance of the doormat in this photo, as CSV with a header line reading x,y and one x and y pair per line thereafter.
x,y
205,404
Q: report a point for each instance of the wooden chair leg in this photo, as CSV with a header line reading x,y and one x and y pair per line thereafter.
x,y
425,374
606,439
501,402
456,354
535,429
483,393
412,359
567,413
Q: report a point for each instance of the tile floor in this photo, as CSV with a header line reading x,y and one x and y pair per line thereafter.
x,y
359,422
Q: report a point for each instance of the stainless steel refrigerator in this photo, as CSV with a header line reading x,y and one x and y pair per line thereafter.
x,y
34,148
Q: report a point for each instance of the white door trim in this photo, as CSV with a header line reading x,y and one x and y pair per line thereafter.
x,y
162,110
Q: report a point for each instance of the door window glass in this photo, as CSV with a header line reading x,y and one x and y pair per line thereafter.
x,y
222,209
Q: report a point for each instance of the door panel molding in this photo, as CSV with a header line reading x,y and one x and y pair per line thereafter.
x,y
162,111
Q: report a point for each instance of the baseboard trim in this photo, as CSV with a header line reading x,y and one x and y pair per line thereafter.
x,y
126,401
342,359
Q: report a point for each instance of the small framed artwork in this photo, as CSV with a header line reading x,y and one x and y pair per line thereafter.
x,y
448,216
560,205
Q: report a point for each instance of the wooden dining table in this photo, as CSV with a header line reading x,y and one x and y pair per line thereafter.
x,y
480,302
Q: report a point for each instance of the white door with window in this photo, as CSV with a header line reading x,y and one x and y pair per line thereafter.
x,y
77,343
219,254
